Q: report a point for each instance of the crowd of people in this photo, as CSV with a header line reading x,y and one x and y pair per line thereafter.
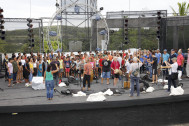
x,y
100,64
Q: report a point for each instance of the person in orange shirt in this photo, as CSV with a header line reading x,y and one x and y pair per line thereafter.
x,y
110,56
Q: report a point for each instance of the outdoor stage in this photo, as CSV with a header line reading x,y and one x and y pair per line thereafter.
x,y
32,107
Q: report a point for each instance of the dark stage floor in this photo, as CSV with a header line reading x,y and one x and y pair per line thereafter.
x,y
19,95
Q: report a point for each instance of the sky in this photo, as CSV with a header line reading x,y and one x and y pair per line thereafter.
x,y
46,8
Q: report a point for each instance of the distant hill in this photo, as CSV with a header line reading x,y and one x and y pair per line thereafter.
x,y
17,40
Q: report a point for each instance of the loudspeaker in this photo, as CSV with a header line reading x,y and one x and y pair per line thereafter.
x,y
0,62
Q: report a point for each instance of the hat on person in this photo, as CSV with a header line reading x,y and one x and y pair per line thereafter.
x,y
174,58
172,50
165,50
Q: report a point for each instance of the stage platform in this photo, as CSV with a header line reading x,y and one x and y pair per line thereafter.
x,y
158,104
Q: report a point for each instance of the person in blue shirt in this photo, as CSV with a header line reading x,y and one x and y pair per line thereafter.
x,y
142,60
149,59
158,55
165,58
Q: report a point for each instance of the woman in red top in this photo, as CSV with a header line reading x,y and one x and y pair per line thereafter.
x,y
100,62
115,67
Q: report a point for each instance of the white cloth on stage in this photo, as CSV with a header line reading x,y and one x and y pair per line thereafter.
x,y
108,92
37,83
150,89
165,87
96,97
62,84
176,91
79,94
161,80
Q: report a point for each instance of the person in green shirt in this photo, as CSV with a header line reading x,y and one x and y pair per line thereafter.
x,y
48,80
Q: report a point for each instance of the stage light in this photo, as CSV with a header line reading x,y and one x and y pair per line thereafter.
x,y
126,29
112,31
29,20
30,25
1,27
159,18
2,21
30,32
101,8
1,16
57,5
2,37
1,10
31,35
3,32
126,42
158,24
158,13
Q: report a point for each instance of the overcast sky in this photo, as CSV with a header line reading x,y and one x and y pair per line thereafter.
x,y
46,8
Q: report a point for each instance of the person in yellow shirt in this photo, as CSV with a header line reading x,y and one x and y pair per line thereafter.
x,y
48,60
61,68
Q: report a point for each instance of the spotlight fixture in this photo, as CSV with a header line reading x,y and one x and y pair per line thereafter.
x,y
158,24
1,10
30,32
101,8
57,5
126,30
111,31
2,33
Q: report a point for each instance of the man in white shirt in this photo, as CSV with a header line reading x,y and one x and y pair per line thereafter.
x,y
119,59
135,75
172,70
187,65
128,65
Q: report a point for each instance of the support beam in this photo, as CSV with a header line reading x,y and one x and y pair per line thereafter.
x,y
145,22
